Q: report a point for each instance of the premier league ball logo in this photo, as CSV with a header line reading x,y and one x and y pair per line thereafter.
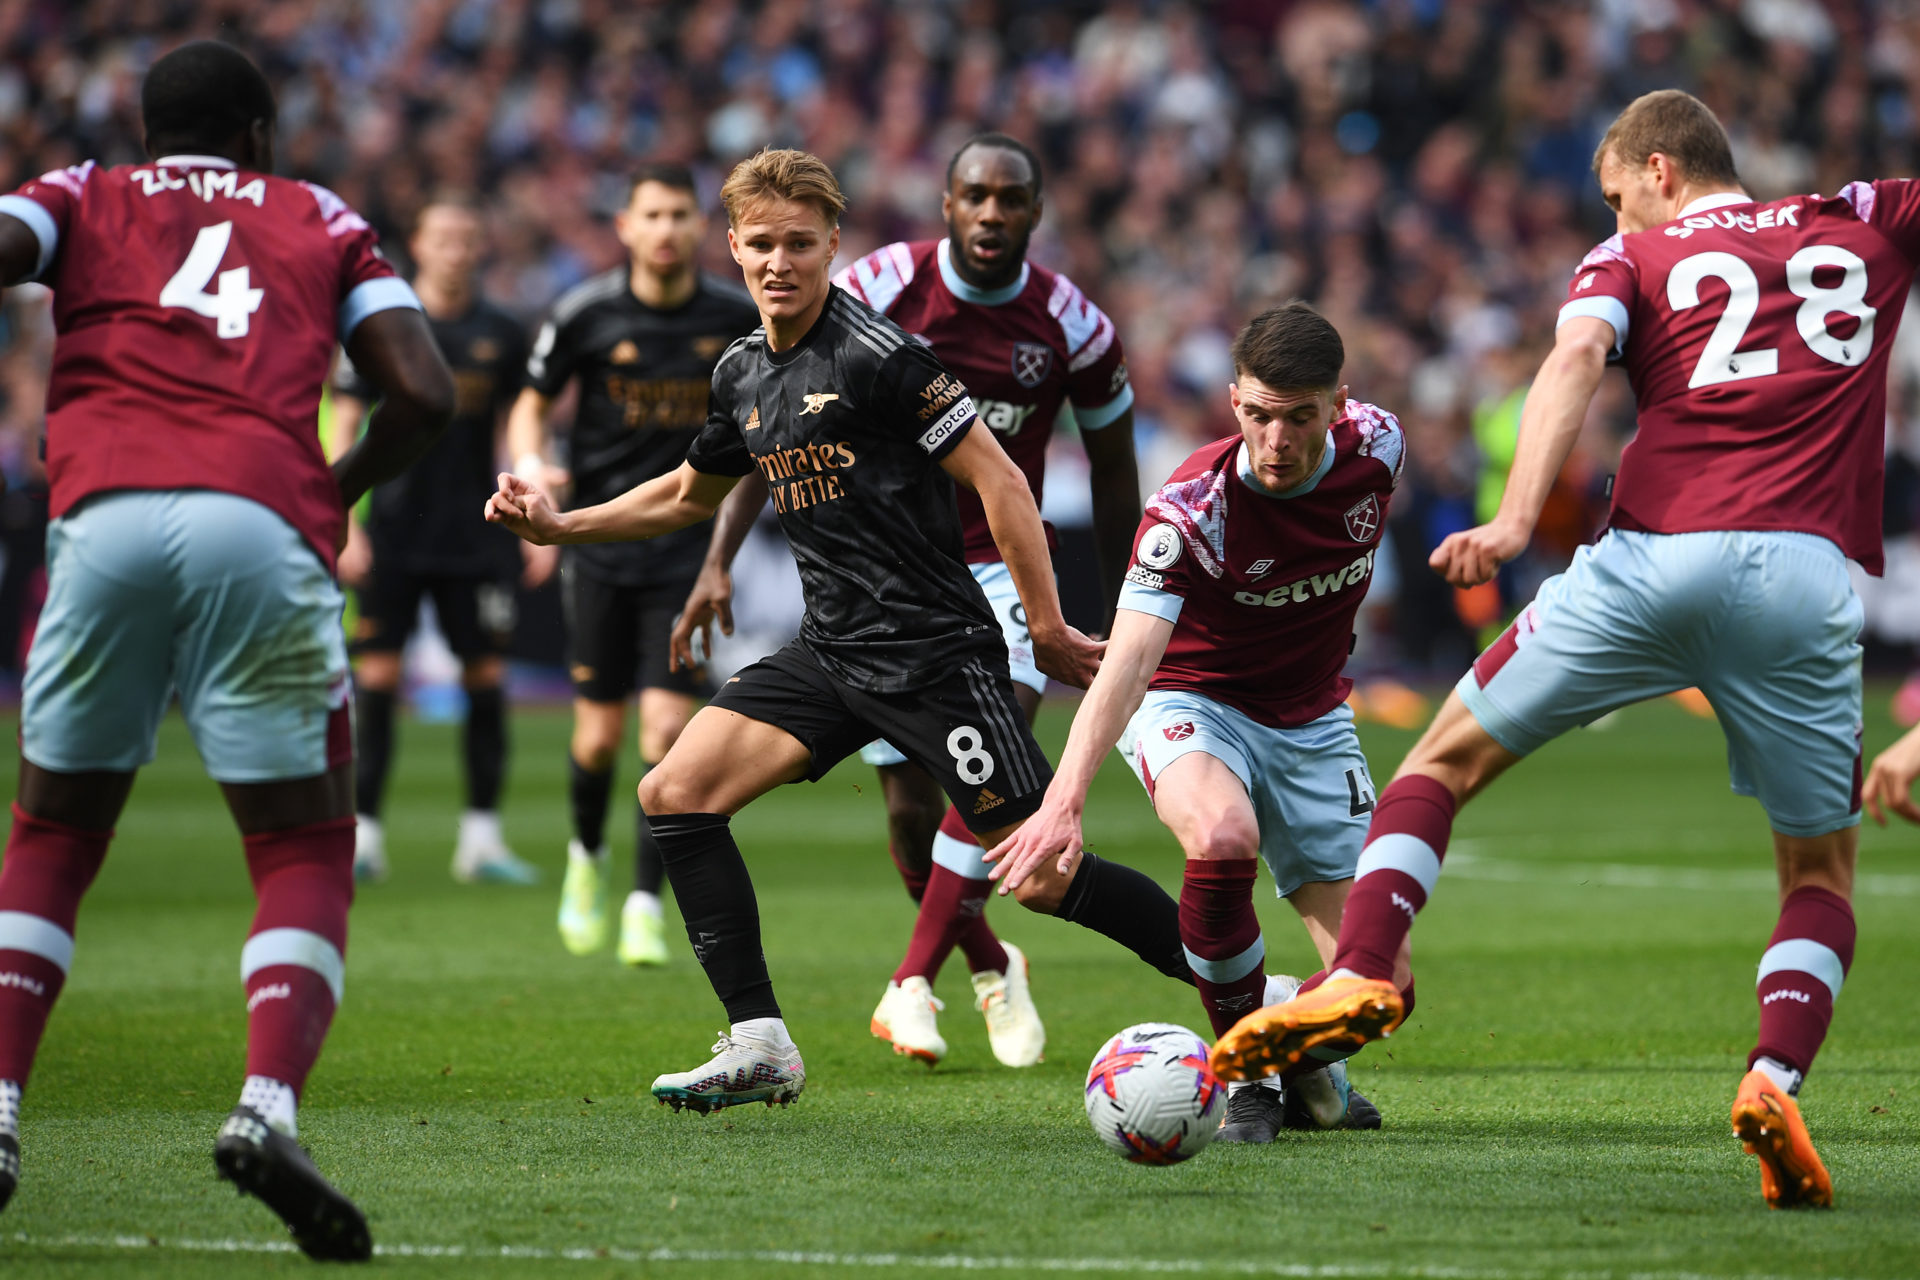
x,y
1363,519
1031,362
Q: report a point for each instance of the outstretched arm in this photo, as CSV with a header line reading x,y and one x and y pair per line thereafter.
x,y
661,505
1549,424
712,594
1139,641
979,463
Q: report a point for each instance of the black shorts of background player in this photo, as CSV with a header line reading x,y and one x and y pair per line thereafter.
x,y
862,435
640,341
419,542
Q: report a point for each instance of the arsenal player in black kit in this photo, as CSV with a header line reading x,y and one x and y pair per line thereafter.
x,y
640,341
417,542
861,435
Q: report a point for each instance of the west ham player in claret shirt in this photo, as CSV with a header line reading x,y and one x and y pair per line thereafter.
x,y
825,401
1224,685
1026,342
420,541
1756,337
197,303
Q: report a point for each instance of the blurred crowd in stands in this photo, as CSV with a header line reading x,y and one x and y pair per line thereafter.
x,y
1418,169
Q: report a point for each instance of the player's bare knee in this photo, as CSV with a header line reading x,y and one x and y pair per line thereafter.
x,y
1042,892
483,673
377,672
1231,837
1817,862
661,791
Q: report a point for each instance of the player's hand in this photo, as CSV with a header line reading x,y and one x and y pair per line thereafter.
x,y
537,564
1052,832
1889,783
524,510
1473,556
710,601
1068,656
356,557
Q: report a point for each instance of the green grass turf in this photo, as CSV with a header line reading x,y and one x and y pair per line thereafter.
x,y
1558,1104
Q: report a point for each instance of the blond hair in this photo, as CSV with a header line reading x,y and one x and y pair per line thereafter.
x,y
1678,126
782,175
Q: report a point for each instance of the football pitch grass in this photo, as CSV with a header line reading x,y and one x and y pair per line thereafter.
x,y
1556,1108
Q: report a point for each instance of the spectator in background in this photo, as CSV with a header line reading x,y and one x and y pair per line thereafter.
x,y
1417,170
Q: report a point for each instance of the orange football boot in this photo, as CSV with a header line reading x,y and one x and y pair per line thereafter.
x,y
1341,1012
1767,1121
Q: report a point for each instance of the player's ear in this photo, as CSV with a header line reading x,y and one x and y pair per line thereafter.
x,y
946,206
1339,401
260,141
733,245
1039,207
833,243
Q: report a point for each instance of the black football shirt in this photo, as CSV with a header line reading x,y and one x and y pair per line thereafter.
x,y
849,426
422,521
644,375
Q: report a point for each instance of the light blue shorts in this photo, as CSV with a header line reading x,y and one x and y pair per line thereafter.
x,y
207,593
1765,624
1312,795
997,581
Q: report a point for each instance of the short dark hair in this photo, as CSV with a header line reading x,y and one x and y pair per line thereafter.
x,y
1290,347
202,94
666,173
1003,142
1676,124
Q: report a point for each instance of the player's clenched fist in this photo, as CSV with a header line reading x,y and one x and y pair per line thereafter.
x,y
524,510
1473,556
1070,656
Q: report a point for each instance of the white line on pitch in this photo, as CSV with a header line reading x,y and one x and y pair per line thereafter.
x,y
889,1261
1468,865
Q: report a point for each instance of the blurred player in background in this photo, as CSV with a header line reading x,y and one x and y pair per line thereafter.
x,y
198,301
641,340
420,541
1224,685
825,401
1025,342
1756,337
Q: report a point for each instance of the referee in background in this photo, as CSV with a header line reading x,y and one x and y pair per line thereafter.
x,y
641,341
421,540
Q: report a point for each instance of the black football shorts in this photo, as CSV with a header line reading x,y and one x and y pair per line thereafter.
x,y
966,729
475,614
617,638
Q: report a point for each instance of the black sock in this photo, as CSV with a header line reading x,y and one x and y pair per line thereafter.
x,y
588,791
649,875
486,747
372,748
716,900
1130,908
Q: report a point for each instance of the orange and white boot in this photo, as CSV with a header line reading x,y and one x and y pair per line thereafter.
x,y
1767,1121
906,1017
1340,1012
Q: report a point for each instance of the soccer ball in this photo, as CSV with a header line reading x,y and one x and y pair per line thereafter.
x,y
1151,1095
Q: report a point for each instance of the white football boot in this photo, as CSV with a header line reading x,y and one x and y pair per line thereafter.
x,y
906,1017
1013,1024
369,850
482,854
741,1071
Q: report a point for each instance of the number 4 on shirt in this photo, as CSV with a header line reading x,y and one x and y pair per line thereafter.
x,y
231,308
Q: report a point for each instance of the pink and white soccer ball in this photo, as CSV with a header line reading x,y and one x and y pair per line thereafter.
x,y
1151,1095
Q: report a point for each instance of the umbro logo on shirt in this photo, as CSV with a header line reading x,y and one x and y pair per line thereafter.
x,y
817,401
753,420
